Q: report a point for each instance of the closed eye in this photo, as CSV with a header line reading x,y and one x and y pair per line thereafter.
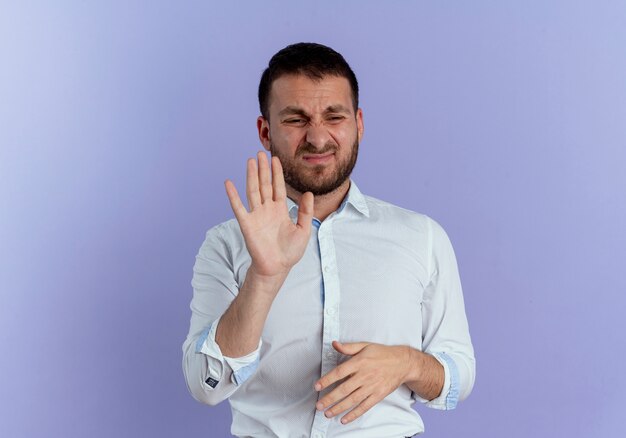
x,y
335,118
296,121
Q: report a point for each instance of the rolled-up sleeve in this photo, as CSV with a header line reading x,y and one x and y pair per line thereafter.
x,y
210,376
445,331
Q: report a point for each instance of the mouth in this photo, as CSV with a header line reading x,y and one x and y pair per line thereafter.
x,y
318,158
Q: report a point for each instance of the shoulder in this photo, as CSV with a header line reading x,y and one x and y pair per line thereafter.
x,y
224,237
391,214
386,211
225,230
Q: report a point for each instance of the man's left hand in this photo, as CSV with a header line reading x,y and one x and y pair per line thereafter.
x,y
372,373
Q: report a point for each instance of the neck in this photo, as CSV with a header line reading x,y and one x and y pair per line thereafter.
x,y
323,205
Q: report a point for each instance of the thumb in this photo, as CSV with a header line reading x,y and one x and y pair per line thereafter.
x,y
349,348
305,210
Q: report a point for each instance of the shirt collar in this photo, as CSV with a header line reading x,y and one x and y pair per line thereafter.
x,y
353,197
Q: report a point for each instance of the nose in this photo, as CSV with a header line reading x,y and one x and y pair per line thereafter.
x,y
318,136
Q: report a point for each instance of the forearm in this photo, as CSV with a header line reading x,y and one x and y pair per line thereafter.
x,y
240,327
426,375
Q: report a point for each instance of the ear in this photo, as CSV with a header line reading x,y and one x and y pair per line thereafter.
x,y
263,126
359,123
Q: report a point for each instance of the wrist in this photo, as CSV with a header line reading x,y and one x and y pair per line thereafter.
x,y
262,285
416,365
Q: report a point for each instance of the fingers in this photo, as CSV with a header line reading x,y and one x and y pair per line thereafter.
x,y
348,395
339,393
235,201
349,349
351,400
362,408
264,177
252,185
336,374
278,180
259,185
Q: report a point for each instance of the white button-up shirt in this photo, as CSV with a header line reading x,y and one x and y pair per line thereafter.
x,y
372,272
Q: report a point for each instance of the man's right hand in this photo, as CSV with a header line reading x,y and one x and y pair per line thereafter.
x,y
274,242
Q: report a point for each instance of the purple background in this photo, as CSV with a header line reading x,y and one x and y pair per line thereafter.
x,y
504,121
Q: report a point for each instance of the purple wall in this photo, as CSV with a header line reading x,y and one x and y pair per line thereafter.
x,y
119,123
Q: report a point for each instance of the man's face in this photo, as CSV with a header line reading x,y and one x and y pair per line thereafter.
x,y
313,130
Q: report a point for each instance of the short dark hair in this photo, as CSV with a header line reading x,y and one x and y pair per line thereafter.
x,y
312,60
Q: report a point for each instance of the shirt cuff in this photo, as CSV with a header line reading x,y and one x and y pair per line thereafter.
x,y
449,396
243,367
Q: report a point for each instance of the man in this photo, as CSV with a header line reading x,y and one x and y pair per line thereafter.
x,y
319,311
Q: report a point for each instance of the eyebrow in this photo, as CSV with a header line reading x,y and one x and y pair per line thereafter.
x,y
290,110
337,109
294,110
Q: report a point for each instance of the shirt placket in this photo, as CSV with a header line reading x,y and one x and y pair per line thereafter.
x,y
330,279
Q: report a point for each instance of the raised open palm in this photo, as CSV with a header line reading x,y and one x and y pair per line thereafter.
x,y
274,242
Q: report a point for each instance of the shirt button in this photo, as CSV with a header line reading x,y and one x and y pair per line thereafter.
x,y
326,268
330,311
330,354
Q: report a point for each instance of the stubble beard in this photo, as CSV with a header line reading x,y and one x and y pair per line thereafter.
x,y
311,180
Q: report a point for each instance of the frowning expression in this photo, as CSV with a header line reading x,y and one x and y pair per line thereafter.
x,y
314,130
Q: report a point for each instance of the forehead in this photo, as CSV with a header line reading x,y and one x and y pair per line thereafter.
x,y
308,94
